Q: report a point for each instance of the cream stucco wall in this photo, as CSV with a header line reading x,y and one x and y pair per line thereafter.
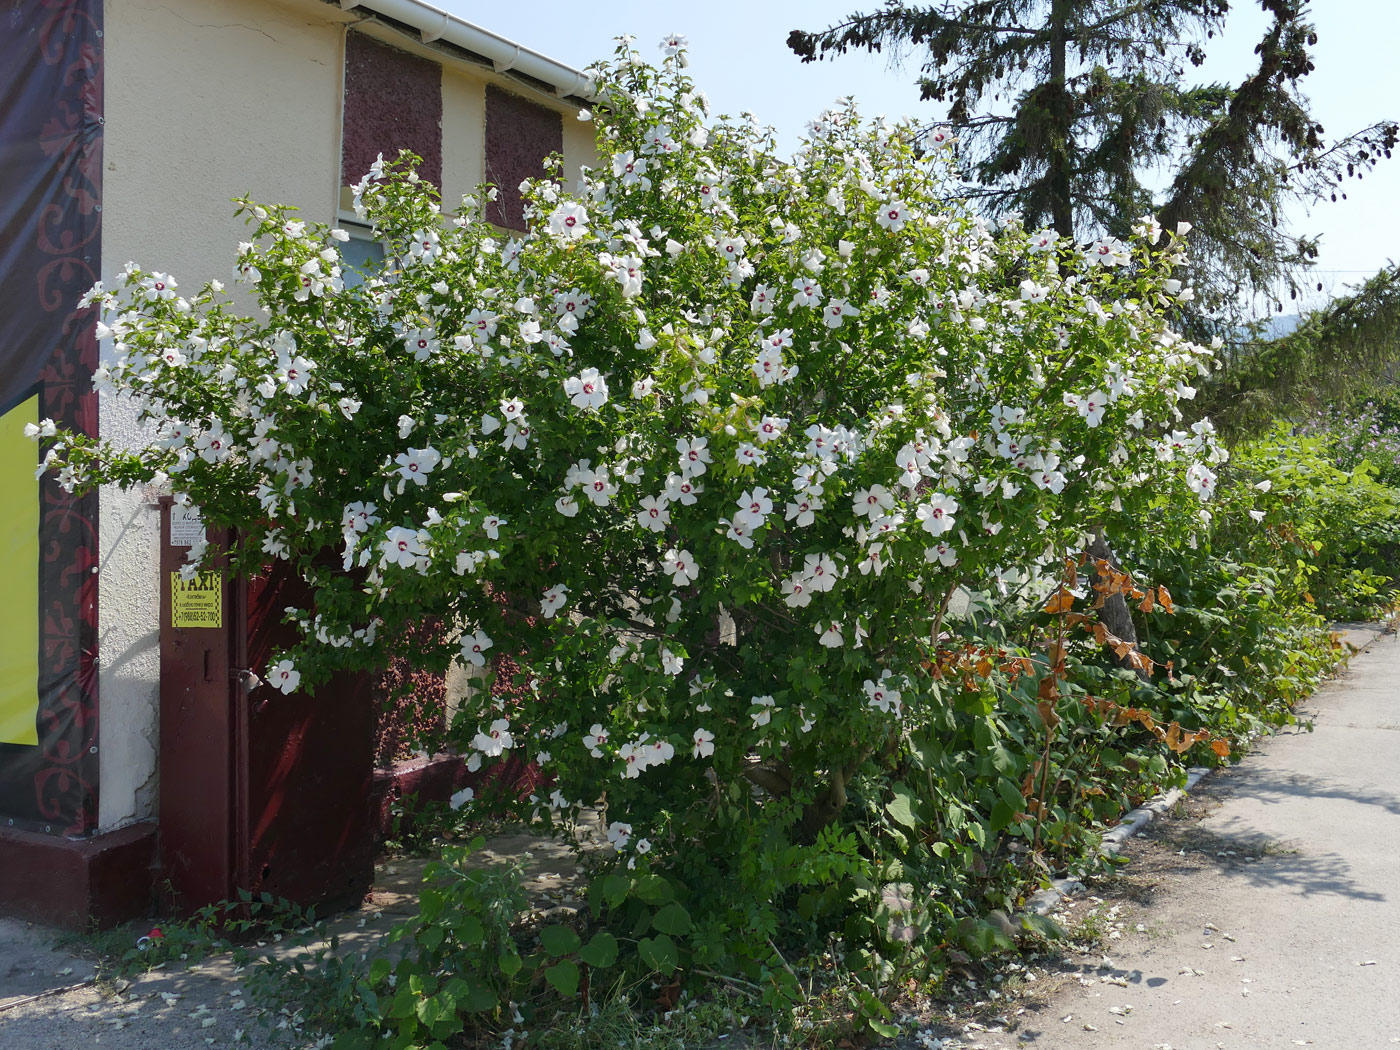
x,y
580,146
205,100
463,135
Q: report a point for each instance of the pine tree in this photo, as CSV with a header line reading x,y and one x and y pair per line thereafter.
x,y
1065,110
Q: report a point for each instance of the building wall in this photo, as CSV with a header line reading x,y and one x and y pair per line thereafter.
x,y
464,120
205,100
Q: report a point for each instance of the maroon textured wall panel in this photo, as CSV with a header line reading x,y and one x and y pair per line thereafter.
x,y
306,767
393,101
519,136
410,707
197,744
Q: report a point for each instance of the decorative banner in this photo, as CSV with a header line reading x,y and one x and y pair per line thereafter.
x,y
50,254
197,602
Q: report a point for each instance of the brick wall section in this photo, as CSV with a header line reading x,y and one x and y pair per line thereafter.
x,y
393,101
519,136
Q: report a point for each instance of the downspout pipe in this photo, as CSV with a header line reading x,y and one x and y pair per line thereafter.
x,y
436,25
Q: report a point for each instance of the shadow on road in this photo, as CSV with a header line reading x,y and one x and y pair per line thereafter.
x,y
1262,861
1275,788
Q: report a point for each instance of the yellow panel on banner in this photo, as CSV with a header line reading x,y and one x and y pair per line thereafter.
x,y
19,568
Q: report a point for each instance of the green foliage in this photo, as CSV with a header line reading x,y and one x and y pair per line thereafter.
x,y
1293,543
1346,521
211,930
1361,431
1332,357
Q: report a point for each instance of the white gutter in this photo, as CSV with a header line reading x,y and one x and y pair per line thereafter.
x,y
436,25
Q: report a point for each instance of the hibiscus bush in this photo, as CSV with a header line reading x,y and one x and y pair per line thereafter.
x,y
774,476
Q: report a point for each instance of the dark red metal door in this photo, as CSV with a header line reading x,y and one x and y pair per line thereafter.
x,y
259,790
197,732
307,765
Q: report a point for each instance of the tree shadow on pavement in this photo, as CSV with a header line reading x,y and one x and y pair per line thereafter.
x,y
1264,862
1274,788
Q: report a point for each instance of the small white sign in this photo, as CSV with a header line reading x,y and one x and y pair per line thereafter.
x,y
186,527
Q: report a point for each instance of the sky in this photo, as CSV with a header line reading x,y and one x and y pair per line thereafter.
x,y
739,57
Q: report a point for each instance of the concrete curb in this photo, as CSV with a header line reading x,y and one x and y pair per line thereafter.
x,y
1048,899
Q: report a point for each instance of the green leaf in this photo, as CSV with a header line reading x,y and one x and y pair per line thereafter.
x,y
452,993
509,963
477,999
654,889
429,1010
981,937
615,889
600,951
1011,794
1043,925
559,940
1002,759
1002,815
359,1039
404,1003
660,954
673,919
880,1028
430,902
470,930
564,977
901,807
